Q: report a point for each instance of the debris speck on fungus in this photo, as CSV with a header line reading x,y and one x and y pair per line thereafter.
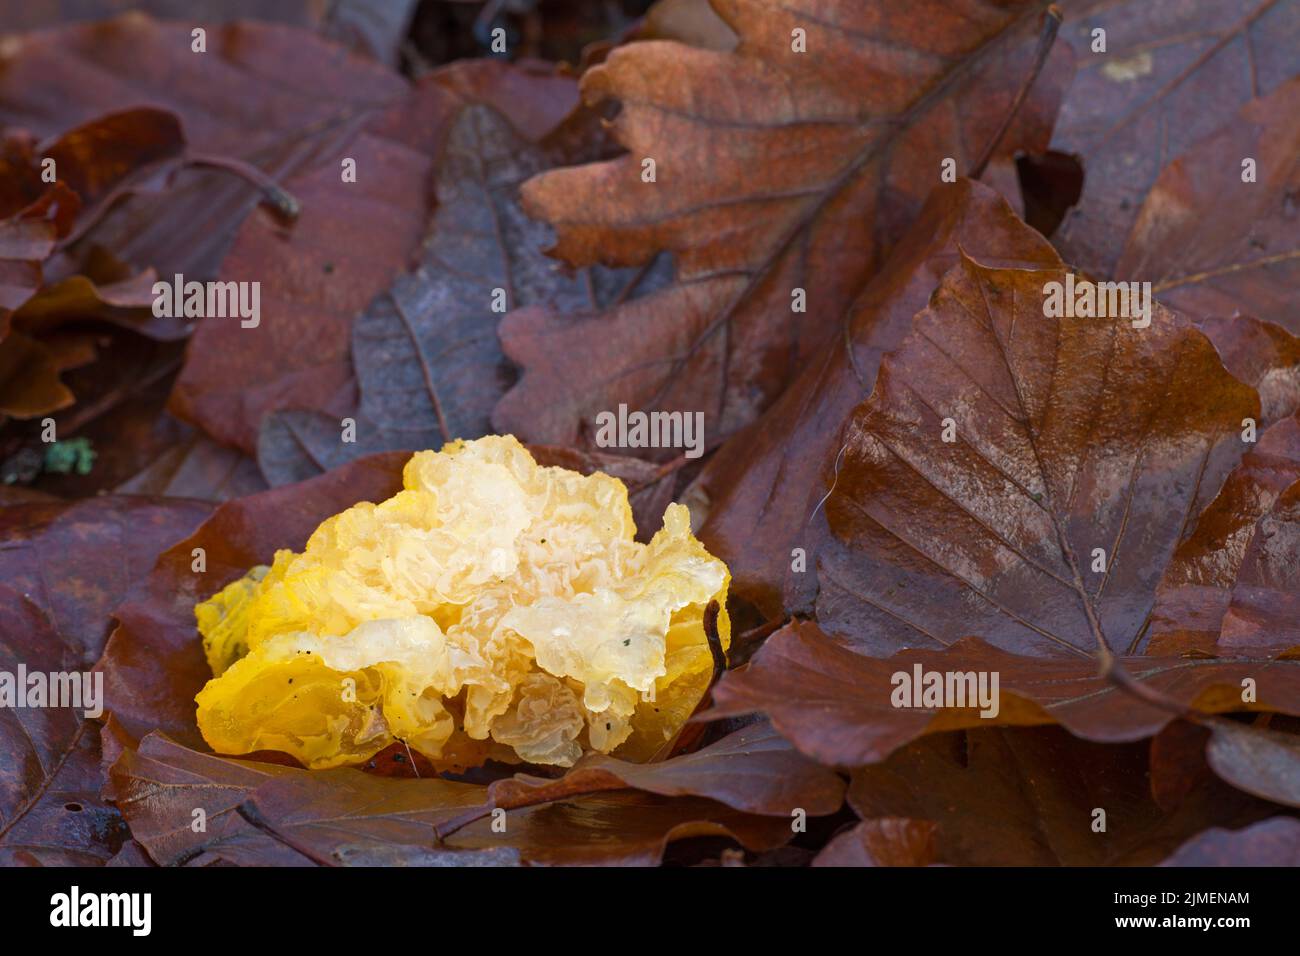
x,y
492,607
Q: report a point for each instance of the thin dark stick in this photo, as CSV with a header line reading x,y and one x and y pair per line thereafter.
x,y
253,816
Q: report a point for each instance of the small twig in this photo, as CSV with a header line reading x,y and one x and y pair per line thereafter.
x,y
444,830
253,816
284,202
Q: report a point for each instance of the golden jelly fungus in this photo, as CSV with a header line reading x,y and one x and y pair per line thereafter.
x,y
492,608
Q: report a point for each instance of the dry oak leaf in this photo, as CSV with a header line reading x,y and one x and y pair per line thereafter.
x,y
624,828
1028,797
765,484
1265,607
64,568
293,106
1080,453
777,173
1172,73
197,467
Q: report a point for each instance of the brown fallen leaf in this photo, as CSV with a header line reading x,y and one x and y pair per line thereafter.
x,y
764,484
1250,261
1263,355
265,814
153,663
302,815
262,96
428,365
197,467
753,769
268,101
367,28
776,173
1256,760
887,841
693,22
1078,452
1172,74
314,284
1031,798
1265,607
1273,842
835,703
64,567
41,290
627,829
1198,586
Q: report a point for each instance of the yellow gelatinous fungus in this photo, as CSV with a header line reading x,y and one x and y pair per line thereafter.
x,y
493,607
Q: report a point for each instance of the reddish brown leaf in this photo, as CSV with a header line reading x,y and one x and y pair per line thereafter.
x,y
1274,842
693,22
763,486
1177,762
1070,435
775,171
1030,797
197,467
64,567
153,664
1265,607
95,163
264,814
1172,74
1261,354
1250,261
753,769
1197,588
629,829
267,814
29,378
1257,760
314,284
834,703
889,841
270,95
425,353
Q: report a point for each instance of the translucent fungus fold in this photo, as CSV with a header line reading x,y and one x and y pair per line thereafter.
x,y
493,607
